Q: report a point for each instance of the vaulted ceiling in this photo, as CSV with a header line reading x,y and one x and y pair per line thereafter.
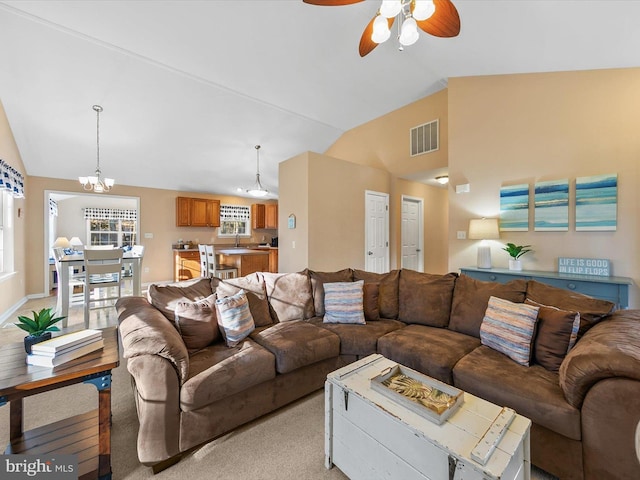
x,y
189,87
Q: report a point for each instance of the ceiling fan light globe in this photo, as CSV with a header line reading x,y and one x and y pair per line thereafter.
x,y
390,8
409,32
423,9
381,32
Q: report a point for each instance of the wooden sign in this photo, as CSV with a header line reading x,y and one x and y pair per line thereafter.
x,y
585,266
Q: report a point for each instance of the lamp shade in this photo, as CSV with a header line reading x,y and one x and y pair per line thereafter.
x,y
483,229
75,242
62,242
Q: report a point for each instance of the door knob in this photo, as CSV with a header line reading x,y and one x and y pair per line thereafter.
x,y
417,249
369,252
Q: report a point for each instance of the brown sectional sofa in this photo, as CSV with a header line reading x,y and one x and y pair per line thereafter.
x,y
584,415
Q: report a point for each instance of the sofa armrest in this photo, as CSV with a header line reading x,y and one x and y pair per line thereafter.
x,y
146,331
609,349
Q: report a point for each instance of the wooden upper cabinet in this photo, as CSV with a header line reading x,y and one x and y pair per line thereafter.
x,y
197,212
264,215
258,215
271,215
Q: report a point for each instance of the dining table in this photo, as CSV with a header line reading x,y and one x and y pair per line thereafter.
x,y
75,260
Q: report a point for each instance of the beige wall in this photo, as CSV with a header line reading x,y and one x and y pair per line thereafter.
x,y
327,195
157,216
13,288
513,129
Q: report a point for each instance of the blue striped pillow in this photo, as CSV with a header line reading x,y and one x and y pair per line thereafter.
x,y
508,328
343,302
234,318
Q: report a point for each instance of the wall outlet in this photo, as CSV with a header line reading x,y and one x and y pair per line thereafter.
x,y
148,235
146,269
293,244
462,235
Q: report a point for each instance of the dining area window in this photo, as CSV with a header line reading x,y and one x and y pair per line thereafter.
x,y
110,226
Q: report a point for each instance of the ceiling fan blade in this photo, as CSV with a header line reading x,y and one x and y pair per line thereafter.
x,y
331,3
366,44
445,21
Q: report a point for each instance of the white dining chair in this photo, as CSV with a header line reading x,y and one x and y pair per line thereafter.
x,y
76,282
204,269
103,270
214,269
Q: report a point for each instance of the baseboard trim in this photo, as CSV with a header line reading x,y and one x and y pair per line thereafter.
x,y
7,315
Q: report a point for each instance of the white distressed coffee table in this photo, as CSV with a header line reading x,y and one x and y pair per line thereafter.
x,y
369,436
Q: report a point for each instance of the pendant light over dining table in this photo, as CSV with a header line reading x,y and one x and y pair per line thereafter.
x,y
95,182
258,190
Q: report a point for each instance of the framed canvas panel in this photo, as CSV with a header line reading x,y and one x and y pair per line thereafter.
x,y
514,208
551,200
597,203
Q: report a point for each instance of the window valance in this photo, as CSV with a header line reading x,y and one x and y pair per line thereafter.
x,y
235,212
92,213
53,207
11,180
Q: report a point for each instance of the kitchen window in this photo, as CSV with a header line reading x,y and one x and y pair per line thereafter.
x,y
235,220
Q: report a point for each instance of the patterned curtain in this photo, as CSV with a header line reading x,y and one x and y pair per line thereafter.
x,y
235,212
92,213
11,180
53,207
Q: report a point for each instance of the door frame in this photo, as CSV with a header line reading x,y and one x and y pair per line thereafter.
x,y
386,227
420,202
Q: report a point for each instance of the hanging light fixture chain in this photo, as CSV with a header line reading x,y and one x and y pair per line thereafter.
x,y
98,109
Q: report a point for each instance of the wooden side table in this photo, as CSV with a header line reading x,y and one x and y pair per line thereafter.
x,y
86,435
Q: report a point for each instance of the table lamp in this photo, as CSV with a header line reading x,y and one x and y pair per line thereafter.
x,y
484,229
76,244
61,242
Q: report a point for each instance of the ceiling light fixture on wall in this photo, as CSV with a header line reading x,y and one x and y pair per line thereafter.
x,y
95,182
442,179
258,190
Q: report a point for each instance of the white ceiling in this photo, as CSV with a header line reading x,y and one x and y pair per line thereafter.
x,y
189,87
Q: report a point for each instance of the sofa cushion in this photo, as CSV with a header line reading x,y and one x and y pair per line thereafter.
x,y
289,295
297,344
531,391
471,297
360,340
234,318
425,298
370,296
508,328
556,333
165,297
146,331
388,290
197,323
318,279
218,372
429,350
253,286
343,302
591,310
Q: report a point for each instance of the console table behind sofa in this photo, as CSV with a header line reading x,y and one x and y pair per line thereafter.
x,y
614,289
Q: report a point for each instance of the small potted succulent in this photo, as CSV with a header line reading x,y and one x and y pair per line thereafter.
x,y
39,327
515,252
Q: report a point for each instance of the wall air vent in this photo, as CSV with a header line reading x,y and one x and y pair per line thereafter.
x,y
424,138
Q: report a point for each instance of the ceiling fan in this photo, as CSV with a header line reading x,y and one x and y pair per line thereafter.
x,y
435,17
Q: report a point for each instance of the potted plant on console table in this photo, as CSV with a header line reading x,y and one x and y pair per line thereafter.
x,y
39,327
515,252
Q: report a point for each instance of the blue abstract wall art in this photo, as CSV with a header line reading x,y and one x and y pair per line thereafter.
x,y
597,203
551,200
514,208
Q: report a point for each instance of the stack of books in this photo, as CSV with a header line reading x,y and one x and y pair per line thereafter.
x,y
65,348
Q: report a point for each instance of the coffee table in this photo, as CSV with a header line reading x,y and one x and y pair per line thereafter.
x,y
87,435
370,436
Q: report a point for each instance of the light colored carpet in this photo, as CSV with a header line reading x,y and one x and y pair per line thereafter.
x,y
285,445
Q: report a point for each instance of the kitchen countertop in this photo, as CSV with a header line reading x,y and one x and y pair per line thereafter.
x,y
232,250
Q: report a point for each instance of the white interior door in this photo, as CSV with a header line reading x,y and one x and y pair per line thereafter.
x,y
376,232
412,233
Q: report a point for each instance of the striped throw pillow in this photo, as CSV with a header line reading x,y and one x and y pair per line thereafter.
x,y
343,302
508,328
234,318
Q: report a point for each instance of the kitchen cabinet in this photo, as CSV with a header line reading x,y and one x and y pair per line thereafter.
x,y
273,260
197,212
271,216
258,215
264,215
186,265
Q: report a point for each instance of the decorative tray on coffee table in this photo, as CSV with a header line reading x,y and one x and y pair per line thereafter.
x,y
426,396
